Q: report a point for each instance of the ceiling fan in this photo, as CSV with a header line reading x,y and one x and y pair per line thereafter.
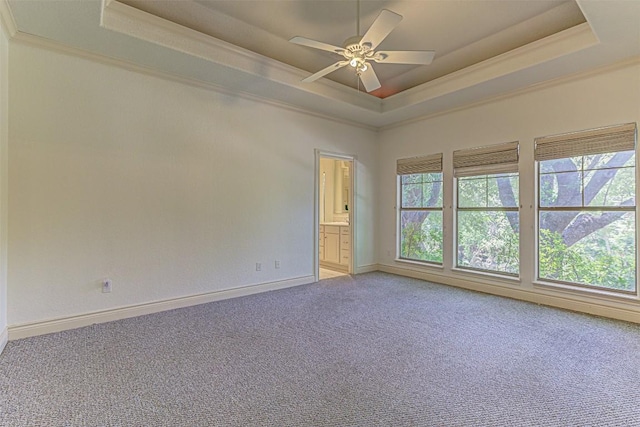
x,y
358,51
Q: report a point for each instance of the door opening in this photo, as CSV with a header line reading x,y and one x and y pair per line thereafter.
x,y
335,214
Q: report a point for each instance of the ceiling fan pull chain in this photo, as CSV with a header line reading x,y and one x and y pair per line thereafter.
x,y
357,17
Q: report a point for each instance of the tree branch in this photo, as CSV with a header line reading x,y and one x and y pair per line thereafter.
x,y
603,176
586,223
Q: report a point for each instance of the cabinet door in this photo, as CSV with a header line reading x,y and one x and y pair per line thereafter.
x,y
332,247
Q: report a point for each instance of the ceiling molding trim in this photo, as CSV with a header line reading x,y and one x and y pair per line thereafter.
x,y
557,45
122,18
630,62
9,25
47,44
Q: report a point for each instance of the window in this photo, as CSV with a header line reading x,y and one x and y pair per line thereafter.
x,y
421,208
487,217
587,208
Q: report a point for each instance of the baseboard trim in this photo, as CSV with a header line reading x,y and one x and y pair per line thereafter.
x,y
367,268
610,309
4,338
26,330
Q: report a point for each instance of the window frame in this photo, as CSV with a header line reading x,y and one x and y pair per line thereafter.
x,y
540,209
459,209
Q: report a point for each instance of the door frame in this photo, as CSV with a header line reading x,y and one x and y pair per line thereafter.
x,y
316,211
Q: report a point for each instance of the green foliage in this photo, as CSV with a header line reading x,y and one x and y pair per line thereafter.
x,y
598,261
486,241
594,248
421,234
423,242
592,243
422,190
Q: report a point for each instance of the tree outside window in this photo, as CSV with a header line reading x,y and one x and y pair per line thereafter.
x,y
488,223
587,220
421,217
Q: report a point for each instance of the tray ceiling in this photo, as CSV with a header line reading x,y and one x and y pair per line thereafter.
x,y
462,33
483,48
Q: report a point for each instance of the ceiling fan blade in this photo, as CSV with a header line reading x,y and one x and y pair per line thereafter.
x,y
381,27
316,45
369,79
404,56
325,71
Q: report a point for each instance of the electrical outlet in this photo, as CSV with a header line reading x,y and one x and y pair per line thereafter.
x,y
106,286
258,266
277,264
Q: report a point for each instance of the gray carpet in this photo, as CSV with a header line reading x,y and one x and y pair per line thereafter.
x,y
372,350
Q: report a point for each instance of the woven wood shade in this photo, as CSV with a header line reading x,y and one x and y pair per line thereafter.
x,y
423,164
588,142
498,158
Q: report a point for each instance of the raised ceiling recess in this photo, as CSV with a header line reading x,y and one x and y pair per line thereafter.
x,y
483,48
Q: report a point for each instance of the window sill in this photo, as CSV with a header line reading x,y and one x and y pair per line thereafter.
x,y
419,263
579,290
501,277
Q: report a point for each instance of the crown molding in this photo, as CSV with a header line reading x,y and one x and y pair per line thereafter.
x,y
117,16
9,26
47,44
125,19
543,50
226,68
629,62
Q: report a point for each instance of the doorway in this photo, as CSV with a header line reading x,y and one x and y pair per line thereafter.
x,y
334,245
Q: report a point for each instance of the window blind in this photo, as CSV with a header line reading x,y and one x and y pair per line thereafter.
x,y
423,164
498,158
583,143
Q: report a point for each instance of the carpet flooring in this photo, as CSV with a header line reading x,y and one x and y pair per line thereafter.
x,y
368,350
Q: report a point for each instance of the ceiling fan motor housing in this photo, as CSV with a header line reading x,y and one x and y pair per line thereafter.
x,y
357,54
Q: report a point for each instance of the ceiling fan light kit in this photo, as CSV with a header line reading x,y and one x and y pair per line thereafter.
x,y
358,51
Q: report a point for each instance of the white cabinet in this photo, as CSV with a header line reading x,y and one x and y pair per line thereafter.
x,y
332,244
345,246
335,245
321,248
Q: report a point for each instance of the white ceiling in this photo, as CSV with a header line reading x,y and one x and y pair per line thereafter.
x,y
483,48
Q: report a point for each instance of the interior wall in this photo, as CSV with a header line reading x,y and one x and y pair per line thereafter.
x,y
609,97
167,189
4,125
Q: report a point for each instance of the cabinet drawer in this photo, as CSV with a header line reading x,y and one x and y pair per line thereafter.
x,y
345,231
345,242
332,229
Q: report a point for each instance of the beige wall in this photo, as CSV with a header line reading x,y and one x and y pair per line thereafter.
x,y
168,189
172,190
4,126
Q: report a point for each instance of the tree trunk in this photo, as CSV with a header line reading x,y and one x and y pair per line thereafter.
x,y
413,220
507,198
574,226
